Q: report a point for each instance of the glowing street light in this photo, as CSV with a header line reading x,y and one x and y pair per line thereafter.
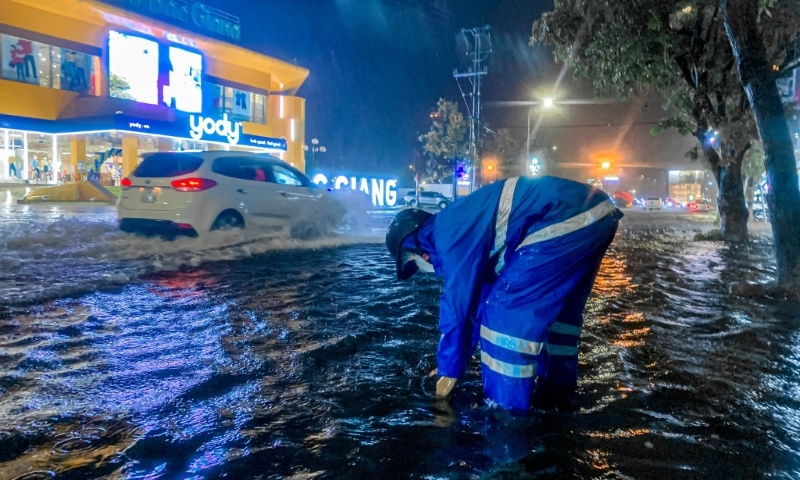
x,y
605,165
547,102
314,148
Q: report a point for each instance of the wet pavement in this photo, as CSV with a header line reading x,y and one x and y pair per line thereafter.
x,y
269,358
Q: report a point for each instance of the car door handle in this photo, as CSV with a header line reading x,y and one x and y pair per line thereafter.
x,y
241,190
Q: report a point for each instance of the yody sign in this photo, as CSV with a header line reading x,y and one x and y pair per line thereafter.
x,y
200,126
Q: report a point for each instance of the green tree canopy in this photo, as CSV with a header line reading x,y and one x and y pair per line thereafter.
x,y
679,48
446,141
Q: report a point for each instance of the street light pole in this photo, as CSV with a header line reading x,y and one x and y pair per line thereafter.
x,y
315,147
547,103
528,141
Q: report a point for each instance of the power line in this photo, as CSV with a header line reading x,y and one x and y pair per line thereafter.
x,y
588,125
479,47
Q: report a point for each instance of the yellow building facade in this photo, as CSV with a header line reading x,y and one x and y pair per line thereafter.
x,y
90,87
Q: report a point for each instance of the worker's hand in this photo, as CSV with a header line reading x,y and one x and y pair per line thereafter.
x,y
444,386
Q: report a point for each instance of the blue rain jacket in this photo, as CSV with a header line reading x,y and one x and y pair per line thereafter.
x,y
460,241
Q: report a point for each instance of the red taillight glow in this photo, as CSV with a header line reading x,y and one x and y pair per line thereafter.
x,y
184,226
126,183
192,184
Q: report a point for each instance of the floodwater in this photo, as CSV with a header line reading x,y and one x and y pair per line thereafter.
x,y
267,358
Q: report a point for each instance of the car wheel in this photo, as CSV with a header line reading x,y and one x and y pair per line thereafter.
x,y
412,203
442,204
228,220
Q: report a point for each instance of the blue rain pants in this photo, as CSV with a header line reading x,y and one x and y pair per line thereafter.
x,y
531,321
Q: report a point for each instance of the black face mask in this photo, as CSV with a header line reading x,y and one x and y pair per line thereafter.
x,y
408,265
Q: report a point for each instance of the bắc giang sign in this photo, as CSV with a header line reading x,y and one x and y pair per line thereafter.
x,y
188,12
382,191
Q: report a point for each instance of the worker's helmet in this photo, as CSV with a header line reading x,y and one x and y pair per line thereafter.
x,y
404,224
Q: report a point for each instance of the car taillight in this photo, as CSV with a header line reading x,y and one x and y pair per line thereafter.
x,y
192,184
126,183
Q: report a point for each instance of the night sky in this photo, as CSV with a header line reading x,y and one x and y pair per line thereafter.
x,y
379,66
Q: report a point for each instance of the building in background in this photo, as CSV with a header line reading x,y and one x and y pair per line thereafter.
x,y
89,86
692,186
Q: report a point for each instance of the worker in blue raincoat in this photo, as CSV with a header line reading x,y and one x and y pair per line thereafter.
x,y
519,259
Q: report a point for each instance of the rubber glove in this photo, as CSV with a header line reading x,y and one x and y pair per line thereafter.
x,y
444,385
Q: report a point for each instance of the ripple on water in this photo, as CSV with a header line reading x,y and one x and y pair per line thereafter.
x,y
36,475
310,362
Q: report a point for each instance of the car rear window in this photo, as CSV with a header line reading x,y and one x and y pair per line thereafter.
x,y
161,165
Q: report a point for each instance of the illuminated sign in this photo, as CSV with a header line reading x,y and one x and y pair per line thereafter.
x,y
383,192
185,11
200,128
611,178
147,29
207,126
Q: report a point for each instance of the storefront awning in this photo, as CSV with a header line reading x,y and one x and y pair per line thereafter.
x,y
191,127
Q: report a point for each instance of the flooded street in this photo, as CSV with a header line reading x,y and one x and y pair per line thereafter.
x,y
267,358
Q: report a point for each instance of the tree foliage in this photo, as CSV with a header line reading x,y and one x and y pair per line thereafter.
x,y
119,88
446,141
681,49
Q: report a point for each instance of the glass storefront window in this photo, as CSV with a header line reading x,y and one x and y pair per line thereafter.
x,y
48,66
41,160
240,105
259,109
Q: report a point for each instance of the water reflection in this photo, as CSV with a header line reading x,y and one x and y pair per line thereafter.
x,y
306,364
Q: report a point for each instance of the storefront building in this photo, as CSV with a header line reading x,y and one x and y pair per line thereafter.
x,y
691,186
88,87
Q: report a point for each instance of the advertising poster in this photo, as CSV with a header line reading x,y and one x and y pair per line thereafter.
x,y
76,70
20,60
133,68
185,90
241,103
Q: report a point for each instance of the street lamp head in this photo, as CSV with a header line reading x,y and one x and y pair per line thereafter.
x,y
547,102
305,147
605,165
314,141
322,149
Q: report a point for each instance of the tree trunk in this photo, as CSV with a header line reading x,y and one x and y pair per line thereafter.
x,y
732,209
783,197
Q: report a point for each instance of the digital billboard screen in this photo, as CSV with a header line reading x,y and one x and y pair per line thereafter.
x,y
184,90
133,68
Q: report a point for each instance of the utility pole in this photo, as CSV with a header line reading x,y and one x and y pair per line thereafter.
x,y
478,41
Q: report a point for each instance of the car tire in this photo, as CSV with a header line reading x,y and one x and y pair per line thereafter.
x,y
228,220
442,205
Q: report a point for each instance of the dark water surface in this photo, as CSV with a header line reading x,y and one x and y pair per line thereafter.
x,y
313,364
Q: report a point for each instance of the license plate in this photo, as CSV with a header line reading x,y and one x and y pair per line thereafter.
x,y
148,197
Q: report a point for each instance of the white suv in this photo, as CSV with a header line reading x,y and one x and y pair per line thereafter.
x,y
191,193
428,199
653,203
